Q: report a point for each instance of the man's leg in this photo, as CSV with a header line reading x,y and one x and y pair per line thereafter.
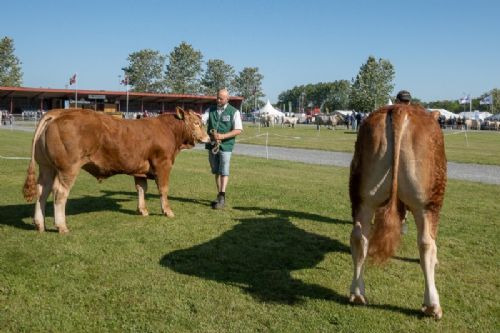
x,y
223,183
223,179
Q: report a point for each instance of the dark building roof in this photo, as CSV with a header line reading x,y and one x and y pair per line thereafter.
x,y
49,93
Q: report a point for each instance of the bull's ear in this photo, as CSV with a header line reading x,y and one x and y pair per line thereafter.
x,y
179,113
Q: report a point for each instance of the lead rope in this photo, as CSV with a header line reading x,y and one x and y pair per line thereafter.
x,y
216,148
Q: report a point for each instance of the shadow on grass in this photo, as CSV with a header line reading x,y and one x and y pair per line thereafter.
x,y
259,255
13,215
409,260
285,213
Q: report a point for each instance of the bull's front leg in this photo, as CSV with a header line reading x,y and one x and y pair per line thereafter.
x,y
141,185
162,179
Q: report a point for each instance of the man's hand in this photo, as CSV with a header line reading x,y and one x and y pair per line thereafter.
x,y
219,137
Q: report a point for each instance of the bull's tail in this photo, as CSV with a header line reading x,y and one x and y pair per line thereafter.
x,y
387,225
30,188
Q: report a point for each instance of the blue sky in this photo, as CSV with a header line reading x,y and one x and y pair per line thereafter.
x,y
440,49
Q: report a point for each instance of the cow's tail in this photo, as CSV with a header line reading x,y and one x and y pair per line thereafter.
x,y
30,188
386,232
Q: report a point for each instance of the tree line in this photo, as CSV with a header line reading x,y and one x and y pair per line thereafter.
x,y
148,71
370,89
182,71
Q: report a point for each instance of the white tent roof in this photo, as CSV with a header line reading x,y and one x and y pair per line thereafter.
x,y
344,113
447,114
474,114
495,117
269,109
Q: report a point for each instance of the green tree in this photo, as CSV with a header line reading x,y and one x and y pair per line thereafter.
x,y
184,70
329,96
452,106
373,85
145,71
248,84
338,96
10,66
218,75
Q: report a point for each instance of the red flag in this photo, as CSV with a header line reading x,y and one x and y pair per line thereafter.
x,y
72,80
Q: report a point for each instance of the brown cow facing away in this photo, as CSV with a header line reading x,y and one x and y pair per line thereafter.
x,y
66,141
399,162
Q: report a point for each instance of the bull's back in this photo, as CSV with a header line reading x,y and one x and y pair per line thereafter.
x,y
69,137
101,144
420,159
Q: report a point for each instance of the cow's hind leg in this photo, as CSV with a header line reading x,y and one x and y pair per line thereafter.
x,y
162,179
62,186
44,184
359,250
426,239
141,185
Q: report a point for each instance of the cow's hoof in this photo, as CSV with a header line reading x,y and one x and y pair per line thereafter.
x,y
358,299
39,227
169,213
63,230
143,212
434,311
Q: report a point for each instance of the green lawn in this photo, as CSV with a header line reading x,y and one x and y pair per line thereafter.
x,y
277,260
482,147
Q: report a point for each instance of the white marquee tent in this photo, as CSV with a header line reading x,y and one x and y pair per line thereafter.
x,y
268,109
474,115
447,114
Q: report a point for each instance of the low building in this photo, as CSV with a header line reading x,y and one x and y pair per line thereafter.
x,y
16,100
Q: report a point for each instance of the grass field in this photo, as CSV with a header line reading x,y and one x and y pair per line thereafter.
x,y
481,147
276,261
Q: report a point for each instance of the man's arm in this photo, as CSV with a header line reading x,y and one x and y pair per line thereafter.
x,y
204,116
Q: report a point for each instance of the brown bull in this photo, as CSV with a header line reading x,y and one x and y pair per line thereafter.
x,y
66,141
399,161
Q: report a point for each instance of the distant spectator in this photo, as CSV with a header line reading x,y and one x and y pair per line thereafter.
x,y
354,121
403,97
359,117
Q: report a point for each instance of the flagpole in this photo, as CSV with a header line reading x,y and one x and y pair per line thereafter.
x,y
76,91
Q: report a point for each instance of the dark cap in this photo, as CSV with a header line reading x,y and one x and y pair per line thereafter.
x,y
403,96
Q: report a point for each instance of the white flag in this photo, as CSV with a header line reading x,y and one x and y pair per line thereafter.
x,y
464,100
488,100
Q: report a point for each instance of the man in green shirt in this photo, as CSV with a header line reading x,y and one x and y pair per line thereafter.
x,y
223,125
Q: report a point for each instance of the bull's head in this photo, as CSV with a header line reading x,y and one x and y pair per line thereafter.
x,y
194,125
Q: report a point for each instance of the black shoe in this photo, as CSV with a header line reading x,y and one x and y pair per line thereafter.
x,y
216,201
220,203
